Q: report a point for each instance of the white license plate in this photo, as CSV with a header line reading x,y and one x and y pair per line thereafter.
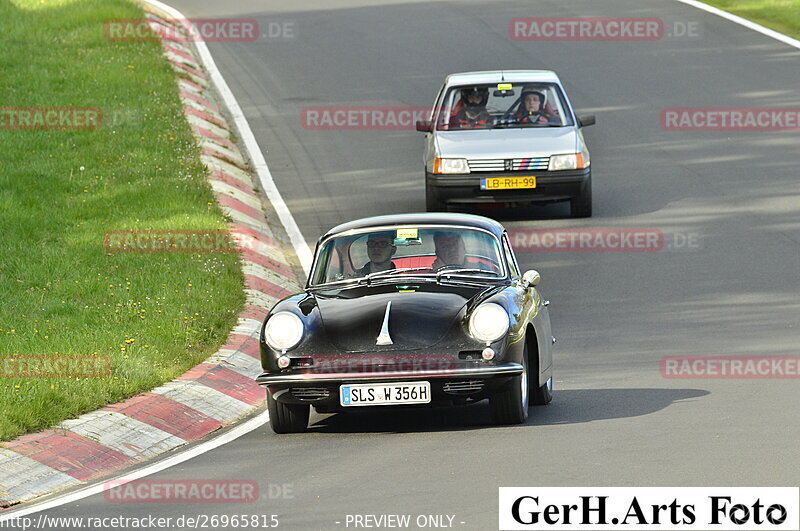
x,y
385,394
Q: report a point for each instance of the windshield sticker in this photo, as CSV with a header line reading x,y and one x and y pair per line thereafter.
x,y
504,86
407,233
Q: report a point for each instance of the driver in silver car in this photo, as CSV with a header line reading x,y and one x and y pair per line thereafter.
x,y
532,109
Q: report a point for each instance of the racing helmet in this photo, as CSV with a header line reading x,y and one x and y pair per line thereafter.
x,y
481,92
526,92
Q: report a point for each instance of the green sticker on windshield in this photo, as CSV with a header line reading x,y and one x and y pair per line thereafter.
x,y
504,86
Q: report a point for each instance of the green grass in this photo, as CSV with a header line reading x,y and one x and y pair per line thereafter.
x,y
61,294
780,15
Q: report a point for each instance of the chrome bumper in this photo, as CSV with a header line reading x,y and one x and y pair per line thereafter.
x,y
479,371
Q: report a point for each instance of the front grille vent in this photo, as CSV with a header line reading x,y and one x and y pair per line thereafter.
x,y
463,387
310,393
499,165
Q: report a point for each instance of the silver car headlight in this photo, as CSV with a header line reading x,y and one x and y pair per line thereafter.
x,y
283,331
443,166
564,162
489,322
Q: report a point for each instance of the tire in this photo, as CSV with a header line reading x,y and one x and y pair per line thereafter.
x,y
287,418
432,201
581,206
511,405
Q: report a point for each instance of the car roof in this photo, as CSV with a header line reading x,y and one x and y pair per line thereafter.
x,y
502,76
463,220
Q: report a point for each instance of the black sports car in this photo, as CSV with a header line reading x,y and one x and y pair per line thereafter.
x,y
413,309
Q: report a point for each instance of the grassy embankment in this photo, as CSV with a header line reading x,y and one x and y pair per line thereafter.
x,y
779,15
61,293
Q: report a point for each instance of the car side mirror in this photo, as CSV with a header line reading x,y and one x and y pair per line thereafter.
x,y
531,278
587,120
425,126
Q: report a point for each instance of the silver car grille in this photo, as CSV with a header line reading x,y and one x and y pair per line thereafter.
x,y
463,387
492,165
310,393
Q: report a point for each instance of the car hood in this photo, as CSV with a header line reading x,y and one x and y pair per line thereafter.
x,y
507,143
353,319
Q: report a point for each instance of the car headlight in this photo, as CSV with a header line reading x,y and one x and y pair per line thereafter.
x,y
489,322
283,331
450,166
572,161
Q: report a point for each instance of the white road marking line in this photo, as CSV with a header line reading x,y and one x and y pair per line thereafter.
x,y
743,22
302,249
97,488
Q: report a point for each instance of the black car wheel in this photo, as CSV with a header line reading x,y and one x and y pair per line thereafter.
x,y
432,201
511,406
581,205
287,418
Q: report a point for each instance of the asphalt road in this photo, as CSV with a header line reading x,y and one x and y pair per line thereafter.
x,y
615,421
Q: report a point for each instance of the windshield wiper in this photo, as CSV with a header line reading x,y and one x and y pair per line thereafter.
x,y
390,272
445,272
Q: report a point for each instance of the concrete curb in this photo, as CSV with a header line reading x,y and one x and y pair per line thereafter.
x,y
216,393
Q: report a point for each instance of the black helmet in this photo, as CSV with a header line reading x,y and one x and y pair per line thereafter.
x,y
483,93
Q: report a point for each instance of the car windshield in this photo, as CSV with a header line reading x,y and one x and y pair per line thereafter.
x,y
503,105
399,251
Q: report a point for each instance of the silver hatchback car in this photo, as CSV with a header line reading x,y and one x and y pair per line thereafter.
x,y
506,137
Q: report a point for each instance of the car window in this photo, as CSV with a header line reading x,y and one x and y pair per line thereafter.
x,y
515,106
428,248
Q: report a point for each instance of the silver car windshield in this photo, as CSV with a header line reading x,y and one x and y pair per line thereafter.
x,y
403,251
503,105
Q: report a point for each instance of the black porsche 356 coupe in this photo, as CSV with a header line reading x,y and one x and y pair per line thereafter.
x,y
412,309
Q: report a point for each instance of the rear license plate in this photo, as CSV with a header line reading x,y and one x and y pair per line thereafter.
x,y
385,394
508,183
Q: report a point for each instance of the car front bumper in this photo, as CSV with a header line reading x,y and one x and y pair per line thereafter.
x,y
550,187
474,380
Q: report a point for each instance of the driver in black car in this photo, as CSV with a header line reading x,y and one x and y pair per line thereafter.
x,y
380,249
473,113
451,252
